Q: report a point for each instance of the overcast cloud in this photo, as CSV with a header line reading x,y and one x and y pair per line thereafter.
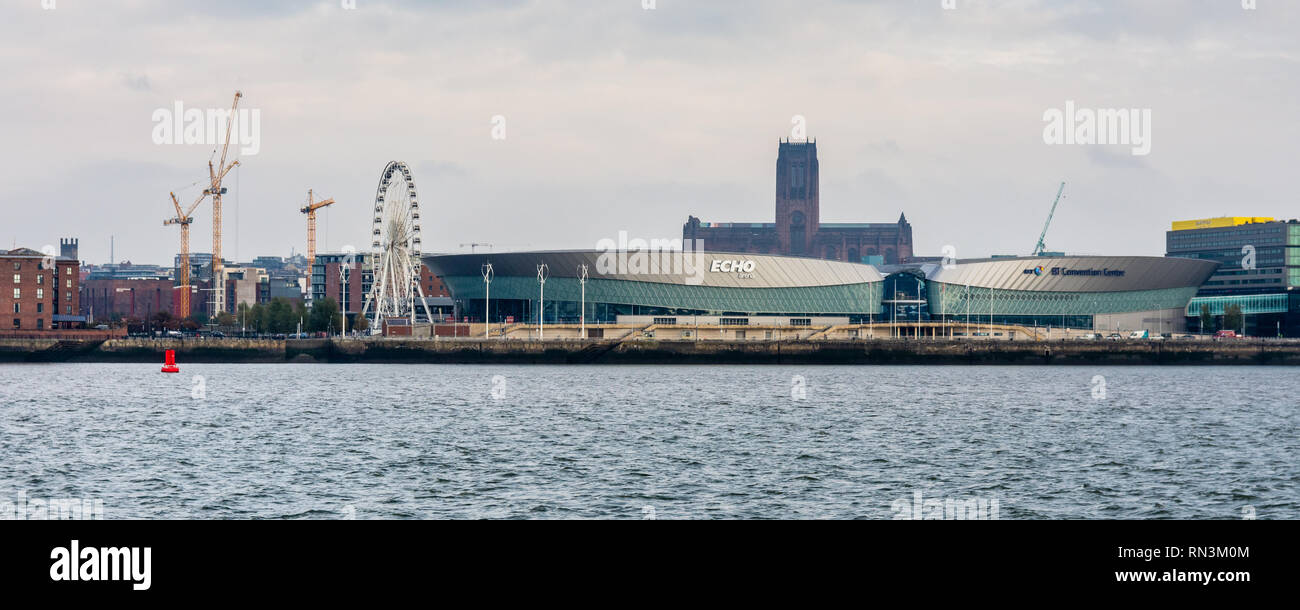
x,y
620,118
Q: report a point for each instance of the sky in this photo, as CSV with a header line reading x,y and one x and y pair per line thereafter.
x,y
623,117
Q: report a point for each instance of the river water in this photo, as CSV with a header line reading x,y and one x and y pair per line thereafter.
x,y
669,442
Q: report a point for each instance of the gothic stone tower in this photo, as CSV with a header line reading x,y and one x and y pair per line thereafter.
x,y
797,197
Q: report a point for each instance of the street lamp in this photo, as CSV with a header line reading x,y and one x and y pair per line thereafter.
x,y
344,269
543,272
487,299
582,313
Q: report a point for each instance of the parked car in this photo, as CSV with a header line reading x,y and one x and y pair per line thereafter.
x,y
1114,337
175,334
1227,334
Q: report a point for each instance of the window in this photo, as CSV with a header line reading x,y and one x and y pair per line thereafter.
x,y
734,321
67,271
40,308
18,308
17,323
40,279
68,309
18,279
40,293
69,281
40,323
18,293
666,321
800,321
18,266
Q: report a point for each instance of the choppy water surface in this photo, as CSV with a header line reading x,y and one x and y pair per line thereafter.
x,y
431,441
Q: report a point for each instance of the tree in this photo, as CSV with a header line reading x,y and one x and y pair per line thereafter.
x,y
324,316
1232,318
1207,320
280,316
360,323
164,320
255,319
226,318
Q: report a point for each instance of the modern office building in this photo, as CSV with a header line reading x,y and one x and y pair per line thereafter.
x,y
1085,292
798,230
348,289
126,270
1259,270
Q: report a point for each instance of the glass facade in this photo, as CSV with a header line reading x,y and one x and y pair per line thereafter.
x,y
1042,308
518,297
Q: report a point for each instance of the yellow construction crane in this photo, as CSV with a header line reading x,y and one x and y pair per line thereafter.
x,y
215,176
310,211
184,218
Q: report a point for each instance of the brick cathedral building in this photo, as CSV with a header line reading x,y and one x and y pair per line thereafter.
x,y
798,230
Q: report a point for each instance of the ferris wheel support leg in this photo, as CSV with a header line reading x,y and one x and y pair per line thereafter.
x,y
420,291
377,294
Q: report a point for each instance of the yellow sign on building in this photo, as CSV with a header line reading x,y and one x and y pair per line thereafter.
x,y
1214,223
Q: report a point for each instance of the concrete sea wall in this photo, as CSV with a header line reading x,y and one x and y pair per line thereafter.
x,y
648,351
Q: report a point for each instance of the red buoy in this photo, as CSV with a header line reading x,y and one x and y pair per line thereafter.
x,y
170,365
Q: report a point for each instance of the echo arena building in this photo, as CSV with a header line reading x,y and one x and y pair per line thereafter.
x,y
663,284
1082,292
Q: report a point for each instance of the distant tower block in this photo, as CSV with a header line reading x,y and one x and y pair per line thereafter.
x,y
68,248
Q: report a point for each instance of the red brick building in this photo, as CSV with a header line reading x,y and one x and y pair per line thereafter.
x,y
431,284
39,292
139,298
798,230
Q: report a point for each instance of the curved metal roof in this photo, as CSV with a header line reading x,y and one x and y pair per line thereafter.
x,y
1076,273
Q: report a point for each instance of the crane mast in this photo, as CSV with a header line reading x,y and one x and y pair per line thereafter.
x,y
1038,249
310,211
184,218
216,175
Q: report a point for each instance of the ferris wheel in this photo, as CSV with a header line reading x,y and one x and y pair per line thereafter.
x,y
395,242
